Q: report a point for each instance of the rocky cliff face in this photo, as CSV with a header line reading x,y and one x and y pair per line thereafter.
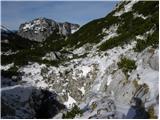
x,y
100,68
41,28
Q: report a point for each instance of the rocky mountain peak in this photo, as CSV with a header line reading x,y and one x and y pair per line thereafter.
x,y
41,28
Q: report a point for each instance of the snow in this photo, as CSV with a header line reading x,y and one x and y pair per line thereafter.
x,y
126,9
33,25
144,36
6,67
150,31
28,26
122,108
109,79
141,37
147,75
140,15
106,61
110,33
70,102
85,70
82,90
9,87
50,56
37,22
4,29
10,52
80,51
6,41
33,75
73,31
81,70
119,13
101,60
129,6
150,77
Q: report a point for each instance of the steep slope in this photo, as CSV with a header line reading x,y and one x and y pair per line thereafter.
x,y
100,68
41,28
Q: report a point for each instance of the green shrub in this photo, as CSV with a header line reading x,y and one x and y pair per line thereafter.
x,y
91,32
146,7
126,65
130,26
135,83
73,112
36,52
152,40
127,31
116,41
151,113
93,106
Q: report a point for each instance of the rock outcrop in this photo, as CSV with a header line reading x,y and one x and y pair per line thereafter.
x,y
41,28
29,102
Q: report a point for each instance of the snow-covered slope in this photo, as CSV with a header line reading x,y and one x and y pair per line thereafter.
x,y
101,73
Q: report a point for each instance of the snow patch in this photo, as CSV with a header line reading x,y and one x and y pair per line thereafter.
x,y
6,41
85,70
73,31
146,74
109,80
141,37
79,51
28,26
109,33
6,67
82,90
144,36
70,102
50,56
81,71
119,13
9,52
32,75
140,15
126,8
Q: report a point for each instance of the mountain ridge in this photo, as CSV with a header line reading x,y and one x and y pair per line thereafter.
x,y
40,28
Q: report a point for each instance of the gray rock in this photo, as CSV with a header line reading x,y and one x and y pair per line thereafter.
x,y
154,62
41,28
29,102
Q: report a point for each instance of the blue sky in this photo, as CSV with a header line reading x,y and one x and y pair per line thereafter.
x,y
16,12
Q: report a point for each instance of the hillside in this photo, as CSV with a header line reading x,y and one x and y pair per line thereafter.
x,y
97,72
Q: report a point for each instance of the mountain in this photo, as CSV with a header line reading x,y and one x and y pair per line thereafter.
x,y
5,30
41,28
10,40
109,68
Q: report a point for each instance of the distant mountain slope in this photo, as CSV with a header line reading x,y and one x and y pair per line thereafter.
x,y
11,41
41,28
